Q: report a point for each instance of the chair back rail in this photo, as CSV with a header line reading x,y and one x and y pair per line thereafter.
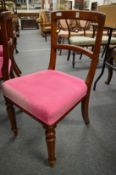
x,y
78,15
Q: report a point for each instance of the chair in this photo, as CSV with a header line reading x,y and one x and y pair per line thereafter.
x,y
87,41
8,66
50,94
44,21
110,24
84,30
11,6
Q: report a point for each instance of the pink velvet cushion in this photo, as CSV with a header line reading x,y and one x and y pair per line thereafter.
x,y
47,95
1,50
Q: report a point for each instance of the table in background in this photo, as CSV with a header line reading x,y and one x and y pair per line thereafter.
x,y
28,18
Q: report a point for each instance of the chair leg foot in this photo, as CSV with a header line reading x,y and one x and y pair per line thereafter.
x,y
16,51
68,57
51,163
84,109
73,60
11,115
110,71
110,74
50,140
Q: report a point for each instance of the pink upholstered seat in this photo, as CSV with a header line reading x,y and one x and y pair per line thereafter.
x,y
47,94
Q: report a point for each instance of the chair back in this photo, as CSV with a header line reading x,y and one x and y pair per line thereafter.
x,y
63,24
6,39
45,17
77,15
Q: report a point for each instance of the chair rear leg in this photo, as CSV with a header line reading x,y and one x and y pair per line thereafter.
x,y
15,45
46,37
69,53
80,56
73,60
84,109
50,140
12,74
11,115
110,72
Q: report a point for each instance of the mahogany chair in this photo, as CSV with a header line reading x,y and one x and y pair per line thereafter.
x,y
50,94
8,66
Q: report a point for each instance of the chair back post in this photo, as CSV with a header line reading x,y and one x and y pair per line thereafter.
x,y
94,17
5,23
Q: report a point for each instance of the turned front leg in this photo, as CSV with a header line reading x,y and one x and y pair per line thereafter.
x,y
50,140
11,115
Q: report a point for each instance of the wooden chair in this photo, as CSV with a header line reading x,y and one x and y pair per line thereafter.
x,y
87,41
8,66
50,94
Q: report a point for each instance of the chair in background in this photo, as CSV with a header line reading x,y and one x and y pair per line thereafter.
x,y
88,41
5,51
76,28
63,30
11,6
110,24
8,66
84,30
49,95
44,22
